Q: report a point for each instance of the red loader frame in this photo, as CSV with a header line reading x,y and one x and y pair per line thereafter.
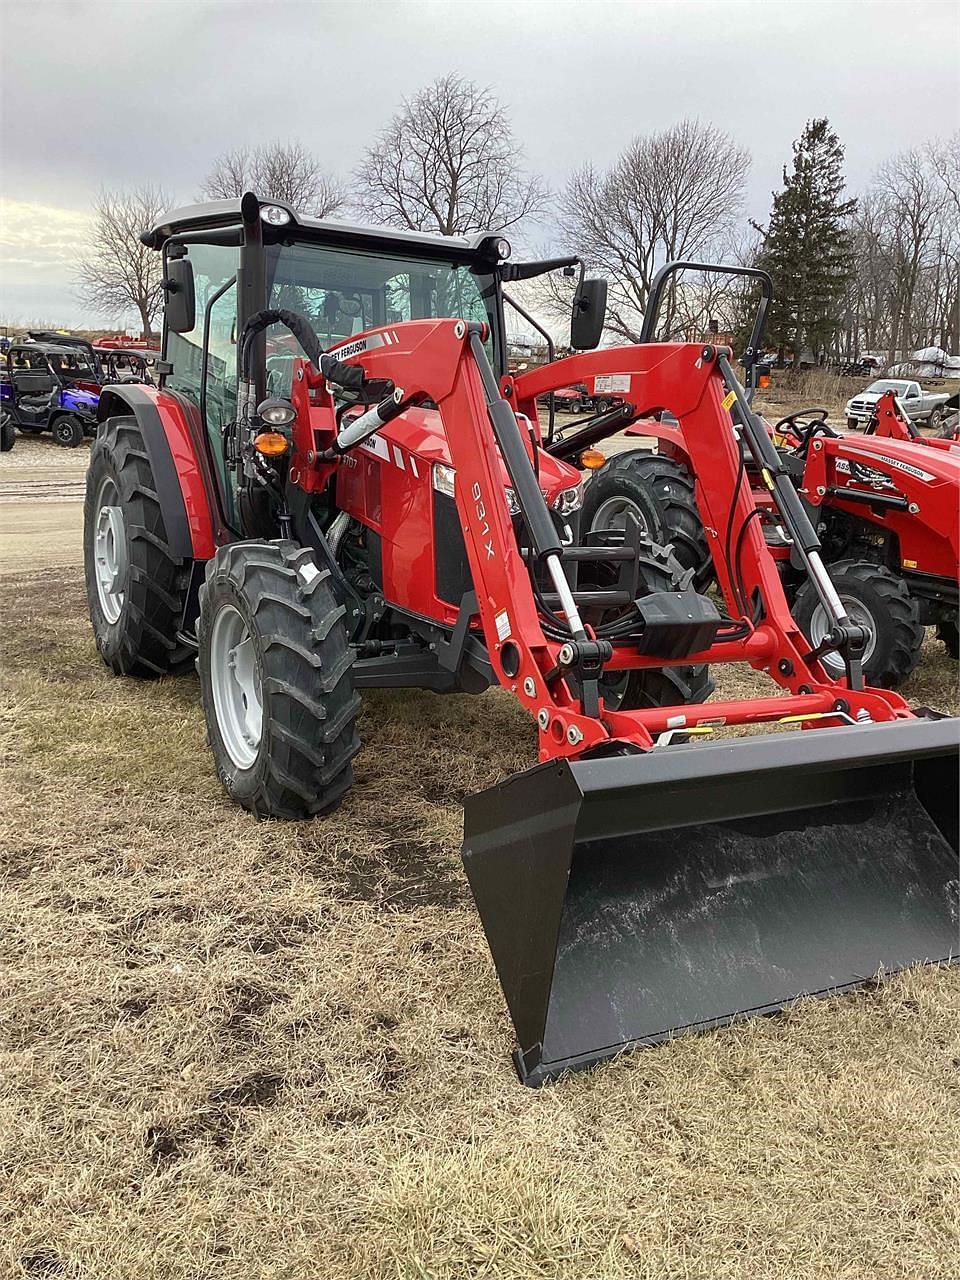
x,y
443,361
891,423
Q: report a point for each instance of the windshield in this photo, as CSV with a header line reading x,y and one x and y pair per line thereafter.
x,y
70,365
887,385
346,291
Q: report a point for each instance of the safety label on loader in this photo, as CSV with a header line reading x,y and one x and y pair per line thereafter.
x,y
611,382
502,621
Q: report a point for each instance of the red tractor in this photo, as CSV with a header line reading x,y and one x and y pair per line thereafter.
x,y
307,523
885,503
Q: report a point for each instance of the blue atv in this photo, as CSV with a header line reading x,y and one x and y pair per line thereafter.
x,y
49,387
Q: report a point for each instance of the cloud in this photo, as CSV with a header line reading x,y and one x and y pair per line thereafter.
x,y
39,248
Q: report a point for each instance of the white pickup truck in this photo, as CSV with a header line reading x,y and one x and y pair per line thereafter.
x,y
918,405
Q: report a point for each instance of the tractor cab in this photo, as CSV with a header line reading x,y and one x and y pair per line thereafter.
x,y
49,386
227,260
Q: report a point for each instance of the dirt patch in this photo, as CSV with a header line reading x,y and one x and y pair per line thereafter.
x,y
41,505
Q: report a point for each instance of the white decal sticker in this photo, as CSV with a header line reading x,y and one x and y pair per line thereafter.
x,y
611,382
398,457
896,463
358,347
905,466
503,626
378,446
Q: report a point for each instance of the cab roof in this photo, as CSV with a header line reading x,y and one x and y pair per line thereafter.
x,y
46,348
225,213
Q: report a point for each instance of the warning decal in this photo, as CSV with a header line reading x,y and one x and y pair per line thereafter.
x,y
611,382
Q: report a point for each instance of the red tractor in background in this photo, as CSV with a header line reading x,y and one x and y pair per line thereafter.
x,y
306,523
885,503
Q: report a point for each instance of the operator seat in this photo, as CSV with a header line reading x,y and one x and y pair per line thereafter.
x,y
34,390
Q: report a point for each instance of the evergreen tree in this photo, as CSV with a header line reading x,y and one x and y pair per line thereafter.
x,y
807,246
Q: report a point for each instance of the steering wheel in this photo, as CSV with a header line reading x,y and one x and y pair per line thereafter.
x,y
815,425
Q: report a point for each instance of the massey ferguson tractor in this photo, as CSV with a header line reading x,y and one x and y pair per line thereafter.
x,y
337,485
885,504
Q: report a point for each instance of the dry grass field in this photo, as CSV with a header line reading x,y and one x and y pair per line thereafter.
x,y
234,1050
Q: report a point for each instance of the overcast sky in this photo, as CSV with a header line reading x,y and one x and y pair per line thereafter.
x,y
107,93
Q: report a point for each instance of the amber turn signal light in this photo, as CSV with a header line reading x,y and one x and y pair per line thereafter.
x,y
271,444
592,459
763,380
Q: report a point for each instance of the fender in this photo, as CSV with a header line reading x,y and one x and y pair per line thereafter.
x,y
181,469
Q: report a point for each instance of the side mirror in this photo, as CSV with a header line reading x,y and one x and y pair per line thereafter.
x,y
589,311
180,306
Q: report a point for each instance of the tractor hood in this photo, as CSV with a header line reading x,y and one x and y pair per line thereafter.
x,y
903,457
420,432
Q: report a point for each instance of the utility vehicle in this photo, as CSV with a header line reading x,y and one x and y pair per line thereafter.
x,y
39,391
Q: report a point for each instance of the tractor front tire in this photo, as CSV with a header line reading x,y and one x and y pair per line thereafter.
x,y
879,600
67,430
659,492
136,587
276,680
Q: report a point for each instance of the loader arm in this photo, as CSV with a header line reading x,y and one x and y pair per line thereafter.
x,y
443,361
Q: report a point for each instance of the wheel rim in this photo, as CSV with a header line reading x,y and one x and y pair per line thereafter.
x,y
110,551
858,613
63,432
235,680
612,515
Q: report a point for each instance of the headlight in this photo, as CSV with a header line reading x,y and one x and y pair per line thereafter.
x,y
569,500
273,214
276,412
443,482
443,478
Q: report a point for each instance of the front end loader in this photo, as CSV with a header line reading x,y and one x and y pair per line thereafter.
x,y
885,504
355,493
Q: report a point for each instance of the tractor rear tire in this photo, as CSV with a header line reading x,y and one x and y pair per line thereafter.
x,y
136,587
67,431
878,599
276,681
659,491
949,634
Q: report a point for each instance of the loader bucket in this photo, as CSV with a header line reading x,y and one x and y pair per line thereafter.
x,y
629,899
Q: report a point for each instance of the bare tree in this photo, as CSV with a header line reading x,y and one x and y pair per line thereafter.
x,y
284,171
913,206
673,194
119,273
448,162
944,157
